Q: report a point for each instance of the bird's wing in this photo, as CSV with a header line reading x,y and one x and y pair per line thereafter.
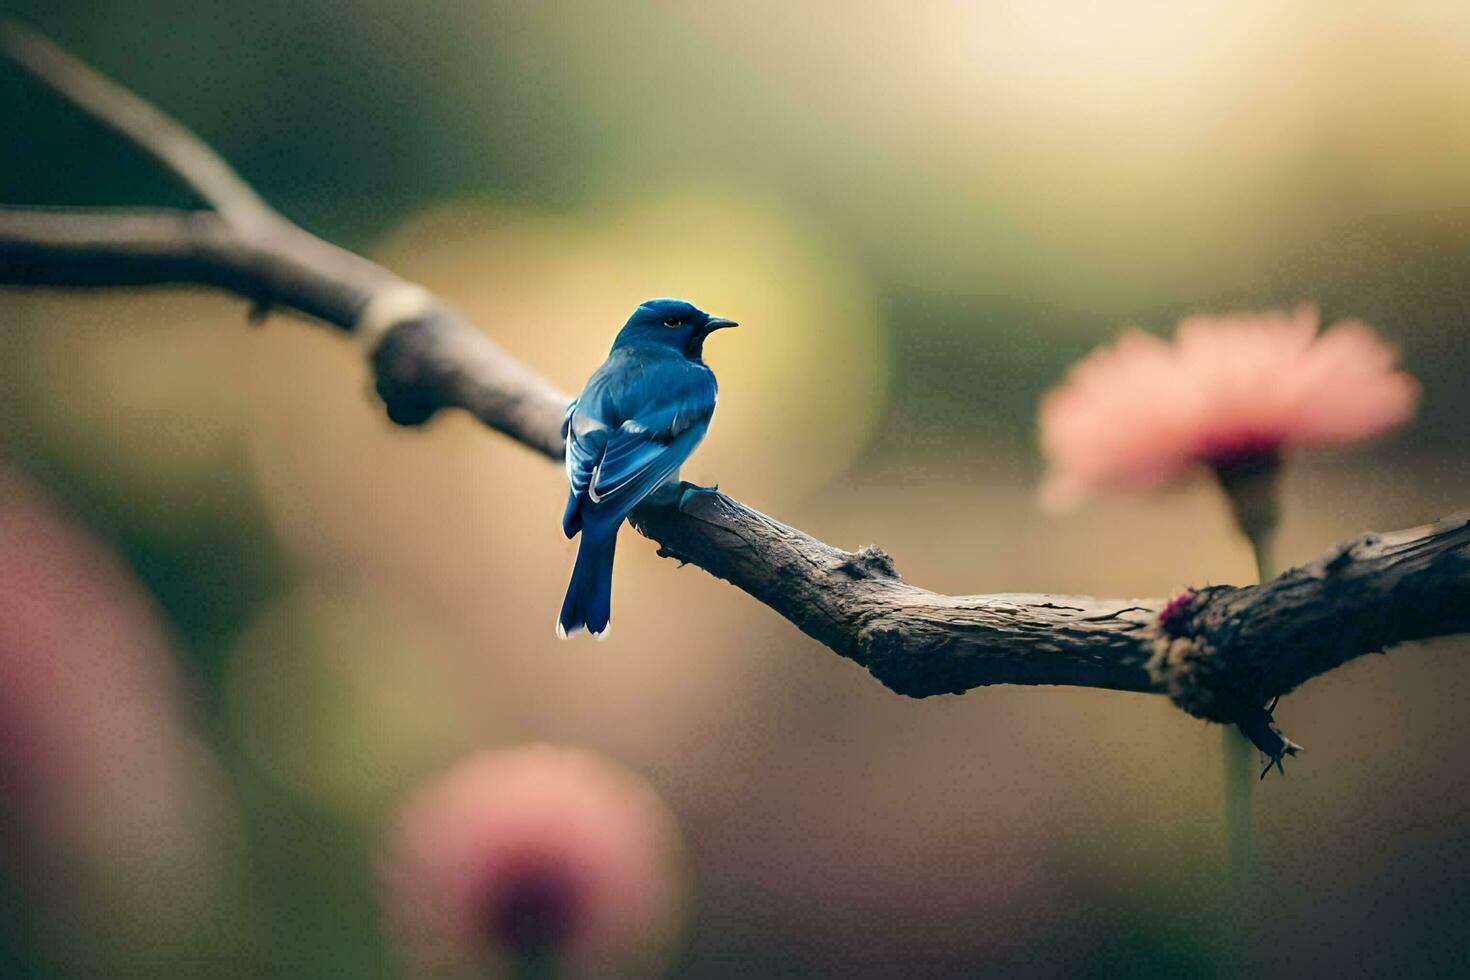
x,y
587,439
566,418
635,462
611,468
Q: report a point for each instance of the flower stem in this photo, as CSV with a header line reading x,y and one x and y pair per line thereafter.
x,y
1261,546
1239,770
1239,755
536,966
1251,485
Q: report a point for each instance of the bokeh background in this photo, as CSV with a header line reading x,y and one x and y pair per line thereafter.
x,y
241,616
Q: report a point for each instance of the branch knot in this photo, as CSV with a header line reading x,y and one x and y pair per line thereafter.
x,y
401,362
869,561
1184,663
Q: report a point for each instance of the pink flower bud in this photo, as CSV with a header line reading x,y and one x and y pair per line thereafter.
x,y
533,854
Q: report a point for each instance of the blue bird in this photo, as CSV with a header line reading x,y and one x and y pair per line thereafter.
x,y
639,417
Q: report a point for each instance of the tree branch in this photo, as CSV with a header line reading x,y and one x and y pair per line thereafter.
x,y
1219,653
174,147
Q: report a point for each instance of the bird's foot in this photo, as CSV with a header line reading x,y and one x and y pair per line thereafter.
x,y
1259,725
677,493
688,491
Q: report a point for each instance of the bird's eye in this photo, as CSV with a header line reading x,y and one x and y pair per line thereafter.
x,y
671,322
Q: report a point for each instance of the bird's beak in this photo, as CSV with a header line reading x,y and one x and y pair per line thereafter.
x,y
718,323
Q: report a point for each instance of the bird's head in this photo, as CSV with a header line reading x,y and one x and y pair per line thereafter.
x,y
670,323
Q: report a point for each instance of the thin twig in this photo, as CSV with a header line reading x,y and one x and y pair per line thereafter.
x,y
179,151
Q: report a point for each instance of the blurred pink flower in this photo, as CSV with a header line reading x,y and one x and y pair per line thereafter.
x,y
531,853
111,806
1229,390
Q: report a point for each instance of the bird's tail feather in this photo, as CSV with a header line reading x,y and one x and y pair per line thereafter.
x,y
589,594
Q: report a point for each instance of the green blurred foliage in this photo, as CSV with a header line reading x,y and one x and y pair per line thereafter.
x,y
930,209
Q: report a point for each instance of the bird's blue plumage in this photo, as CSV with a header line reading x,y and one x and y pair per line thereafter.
x,y
639,417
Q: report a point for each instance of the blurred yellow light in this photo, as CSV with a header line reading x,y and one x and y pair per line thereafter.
x,y
340,697
802,380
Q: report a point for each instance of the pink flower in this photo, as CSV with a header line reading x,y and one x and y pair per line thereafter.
x,y
112,810
1228,391
535,853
